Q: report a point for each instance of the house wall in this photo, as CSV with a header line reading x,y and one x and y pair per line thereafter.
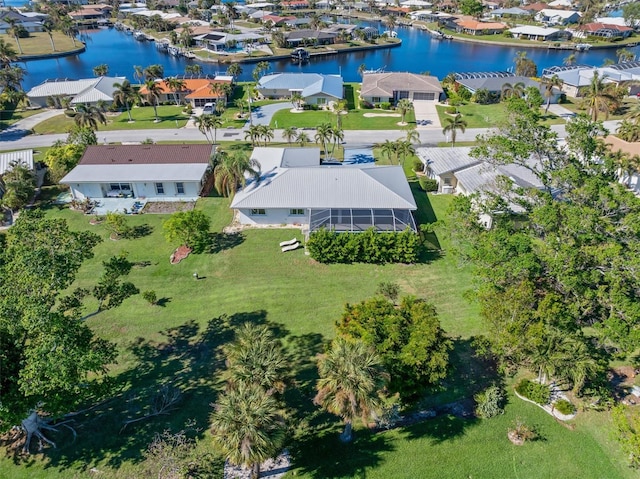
x,y
146,190
274,92
447,183
318,99
40,101
275,217
378,100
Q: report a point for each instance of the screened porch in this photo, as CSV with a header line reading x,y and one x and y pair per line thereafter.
x,y
361,219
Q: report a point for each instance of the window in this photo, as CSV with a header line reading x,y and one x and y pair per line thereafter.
x,y
296,212
180,188
258,212
321,101
375,99
159,189
447,181
403,94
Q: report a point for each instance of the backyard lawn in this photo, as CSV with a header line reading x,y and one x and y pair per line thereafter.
x,y
247,278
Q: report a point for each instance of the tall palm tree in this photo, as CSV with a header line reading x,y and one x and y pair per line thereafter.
x,y
138,73
208,125
260,68
323,135
89,116
403,107
7,54
413,136
123,95
340,109
234,70
404,149
599,96
101,70
391,23
253,134
351,381
625,55
256,356
153,72
194,69
266,133
512,91
361,69
570,60
230,173
247,426
289,134
48,27
186,36
303,139
69,28
549,85
175,84
386,149
154,90
297,99
453,125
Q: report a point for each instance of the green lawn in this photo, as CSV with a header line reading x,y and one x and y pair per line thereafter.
x,y
247,278
170,116
39,43
576,106
354,120
488,116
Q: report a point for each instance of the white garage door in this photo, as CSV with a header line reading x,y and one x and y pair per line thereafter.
x,y
424,96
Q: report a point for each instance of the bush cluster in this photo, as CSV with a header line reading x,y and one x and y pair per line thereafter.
x,y
564,407
490,402
367,247
427,184
536,392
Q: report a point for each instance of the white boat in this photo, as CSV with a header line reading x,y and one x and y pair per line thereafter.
x,y
175,51
583,47
188,54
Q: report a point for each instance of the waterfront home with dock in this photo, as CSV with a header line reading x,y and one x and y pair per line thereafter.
x,y
196,91
87,91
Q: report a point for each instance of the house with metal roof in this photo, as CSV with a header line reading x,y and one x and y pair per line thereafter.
x,y
576,78
88,91
496,84
550,16
316,89
441,164
393,86
149,172
296,189
534,32
310,37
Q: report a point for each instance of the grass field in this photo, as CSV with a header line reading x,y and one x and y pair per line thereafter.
x,y
39,43
247,278
488,116
354,120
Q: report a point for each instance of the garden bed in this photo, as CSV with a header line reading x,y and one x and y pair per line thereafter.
x,y
168,207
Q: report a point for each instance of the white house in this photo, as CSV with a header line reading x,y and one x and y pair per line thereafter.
x,y
394,86
533,32
441,164
316,89
557,17
151,172
88,91
295,189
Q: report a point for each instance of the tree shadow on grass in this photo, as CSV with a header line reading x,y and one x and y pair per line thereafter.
x,y
218,242
189,358
140,231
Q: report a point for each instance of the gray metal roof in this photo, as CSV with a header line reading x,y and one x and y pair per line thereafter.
x,y
306,83
23,156
447,160
378,187
482,177
271,159
496,84
135,173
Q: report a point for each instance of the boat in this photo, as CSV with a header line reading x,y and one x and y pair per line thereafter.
x,y
174,51
583,47
300,55
188,54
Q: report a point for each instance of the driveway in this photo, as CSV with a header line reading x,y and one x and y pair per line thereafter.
x,y
262,115
426,114
24,126
561,111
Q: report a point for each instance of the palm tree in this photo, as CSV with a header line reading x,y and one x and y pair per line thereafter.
x,y
47,26
247,426
138,73
634,112
175,84
186,36
101,70
13,30
7,54
123,95
256,356
194,69
260,68
512,91
89,116
303,139
234,70
386,149
266,133
69,28
253,133
361,69
629,131
413,136
391,24
152,72
549,85
323,135
340,109
206,124
453,125
570,60
154,90
599,96
351,381
404,106
297,99
404,148
337,136
289,134
230,173
625,55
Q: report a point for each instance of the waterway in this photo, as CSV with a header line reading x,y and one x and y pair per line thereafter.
x,y
419,53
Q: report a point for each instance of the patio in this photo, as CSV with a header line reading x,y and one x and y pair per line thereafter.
x,y
116,205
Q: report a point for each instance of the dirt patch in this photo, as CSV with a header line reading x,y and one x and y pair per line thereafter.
x,y
622,380
167,207
179,254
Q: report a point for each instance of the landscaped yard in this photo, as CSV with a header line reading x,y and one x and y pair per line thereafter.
x,y
488,116
354,120
248,278
576,106
39,43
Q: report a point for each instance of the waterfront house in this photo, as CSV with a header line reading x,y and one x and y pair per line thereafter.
x,y
30,23
316,89
543,34
442,164
603,30
535,7
151,172
557,17
295,189
393,86
91,12
304,37
495,84
575,78
294,4
88,91
196,91
509,12
475,27
221,41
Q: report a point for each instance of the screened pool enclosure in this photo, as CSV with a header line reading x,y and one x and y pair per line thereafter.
x,y
343,219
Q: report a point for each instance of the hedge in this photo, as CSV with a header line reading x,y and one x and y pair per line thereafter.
x,y
427,184
367,247
536,392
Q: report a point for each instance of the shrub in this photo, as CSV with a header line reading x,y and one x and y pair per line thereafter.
x,y
385,105
118,225
417,165
519,432
365,105
389,290
368,247
536,392
150,297
451,110
564,407
490,402
70,113
428,184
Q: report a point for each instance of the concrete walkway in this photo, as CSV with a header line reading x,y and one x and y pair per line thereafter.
x,y
561,111
24,126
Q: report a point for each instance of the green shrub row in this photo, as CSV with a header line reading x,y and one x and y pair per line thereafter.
x,y
536,392
367,247
427,184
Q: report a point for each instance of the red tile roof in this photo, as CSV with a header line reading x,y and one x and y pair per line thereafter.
x,y
476,25
145,154
191,85
595,26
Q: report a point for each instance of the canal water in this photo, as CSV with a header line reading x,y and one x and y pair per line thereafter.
x,y
419,53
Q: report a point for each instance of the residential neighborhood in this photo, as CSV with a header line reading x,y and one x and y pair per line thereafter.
x,y
320,239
